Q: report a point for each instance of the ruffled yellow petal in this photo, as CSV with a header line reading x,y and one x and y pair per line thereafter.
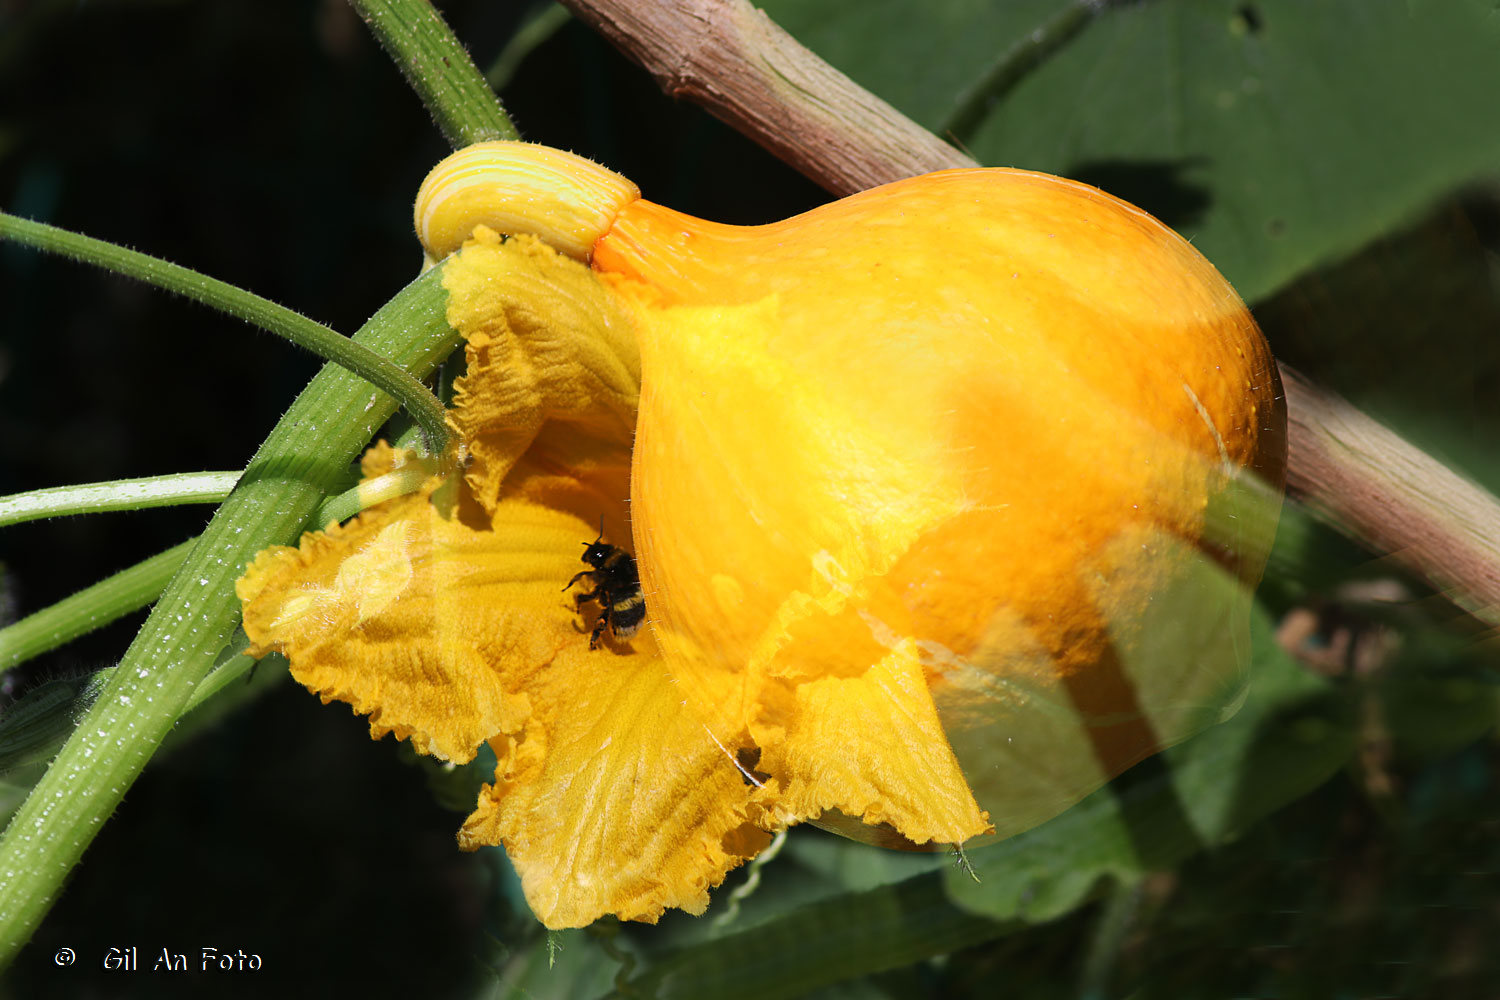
x,y
615,799
445,618
868,746
609,796
419,620
547,345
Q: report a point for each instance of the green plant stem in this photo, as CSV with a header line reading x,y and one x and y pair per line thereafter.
x,y
1012,65
231,666
439,69
540,25
133,588
277,319
186,632
369,493
730,910
306,453
93,607
1112,924
34,728
118,494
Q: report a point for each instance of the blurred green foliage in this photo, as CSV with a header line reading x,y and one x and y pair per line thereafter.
x,y
1338,160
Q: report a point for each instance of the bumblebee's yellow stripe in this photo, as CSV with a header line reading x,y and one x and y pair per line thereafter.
x,y
627,615
519,187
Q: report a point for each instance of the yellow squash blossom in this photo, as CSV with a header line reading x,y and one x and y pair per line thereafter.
x,y
943,497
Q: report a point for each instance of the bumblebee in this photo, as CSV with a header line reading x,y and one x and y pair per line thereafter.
x,y
617,589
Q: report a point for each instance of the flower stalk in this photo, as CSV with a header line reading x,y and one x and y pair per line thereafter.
x,y
93,607
137,586
439,69
117,494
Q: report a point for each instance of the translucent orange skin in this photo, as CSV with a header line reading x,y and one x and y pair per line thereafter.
x,y
983,410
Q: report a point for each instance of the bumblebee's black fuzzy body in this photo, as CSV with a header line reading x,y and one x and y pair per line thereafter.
x,y
617,589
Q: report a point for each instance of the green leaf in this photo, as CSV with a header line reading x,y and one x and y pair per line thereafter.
x,y
1293,732
822,943
1276,134
1441,694
1405,330
566,963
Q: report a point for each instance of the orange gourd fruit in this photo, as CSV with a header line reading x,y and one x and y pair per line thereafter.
x,y
946,502
991,433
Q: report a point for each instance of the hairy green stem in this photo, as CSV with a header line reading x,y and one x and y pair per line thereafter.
x,y
118,494
133,588
34,728
277,319
306,454
371,492
93,607
439,69
540,25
